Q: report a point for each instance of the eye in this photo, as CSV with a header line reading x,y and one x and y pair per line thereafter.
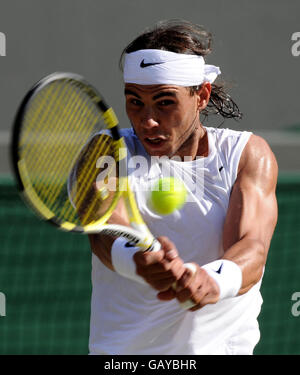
x,y
135,102
166,102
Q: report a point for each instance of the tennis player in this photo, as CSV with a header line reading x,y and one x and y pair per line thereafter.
x,y
224,230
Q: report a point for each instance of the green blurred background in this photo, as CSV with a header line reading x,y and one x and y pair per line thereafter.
x,y
44,273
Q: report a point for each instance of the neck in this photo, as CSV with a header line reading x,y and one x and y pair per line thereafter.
x,y
195,145
203,144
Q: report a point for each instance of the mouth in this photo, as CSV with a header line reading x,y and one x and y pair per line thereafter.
x,y
156,141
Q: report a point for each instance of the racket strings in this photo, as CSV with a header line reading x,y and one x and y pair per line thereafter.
x,y
60,145
43,145
85,173
46,118
64,156
37,109
53,158
87,198
39,112
104,196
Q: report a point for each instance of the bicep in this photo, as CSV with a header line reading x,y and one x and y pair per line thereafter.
x,y
252,210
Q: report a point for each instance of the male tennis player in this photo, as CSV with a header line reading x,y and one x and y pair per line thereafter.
x,y
223,231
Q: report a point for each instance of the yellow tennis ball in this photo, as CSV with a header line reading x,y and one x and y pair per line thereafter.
x,y
168,194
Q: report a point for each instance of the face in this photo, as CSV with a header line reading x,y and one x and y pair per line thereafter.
x,y
164,117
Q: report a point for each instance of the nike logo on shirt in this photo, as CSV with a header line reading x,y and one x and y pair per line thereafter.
x,y
220,268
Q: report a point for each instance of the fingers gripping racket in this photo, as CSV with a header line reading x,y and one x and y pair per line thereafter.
x,y
69,160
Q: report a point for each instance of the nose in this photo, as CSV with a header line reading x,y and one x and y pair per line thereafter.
x,y
149,119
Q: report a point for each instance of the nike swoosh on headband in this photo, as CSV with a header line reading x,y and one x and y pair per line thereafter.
x,y
144,65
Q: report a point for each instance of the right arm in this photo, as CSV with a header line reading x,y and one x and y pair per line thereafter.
x,y
160,269
101,244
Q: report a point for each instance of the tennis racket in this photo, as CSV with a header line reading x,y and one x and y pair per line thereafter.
x,y
70,160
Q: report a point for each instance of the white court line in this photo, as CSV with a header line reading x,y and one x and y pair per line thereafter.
x,y
273,137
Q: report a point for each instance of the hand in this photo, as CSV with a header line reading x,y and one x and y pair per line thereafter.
x,y
160,269
198,287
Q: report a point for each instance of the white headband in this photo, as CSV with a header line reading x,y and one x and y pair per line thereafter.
x,y
154,66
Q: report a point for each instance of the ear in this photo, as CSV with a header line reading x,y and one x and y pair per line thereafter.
x,y
203,95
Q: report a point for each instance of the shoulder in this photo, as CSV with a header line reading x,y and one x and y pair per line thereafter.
x,y
258,163
229,139
224,133
256,152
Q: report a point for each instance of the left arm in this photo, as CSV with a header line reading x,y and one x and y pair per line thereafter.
x,y
252,213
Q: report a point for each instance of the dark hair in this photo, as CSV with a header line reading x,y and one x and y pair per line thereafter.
x,y
184,37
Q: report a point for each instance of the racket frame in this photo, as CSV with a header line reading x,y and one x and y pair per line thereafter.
x,y
138,233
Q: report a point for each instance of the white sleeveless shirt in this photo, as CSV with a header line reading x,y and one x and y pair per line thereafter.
x,y
126,316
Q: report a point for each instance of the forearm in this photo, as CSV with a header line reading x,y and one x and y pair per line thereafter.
x,y
101,244
250,255
101,247
116,256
